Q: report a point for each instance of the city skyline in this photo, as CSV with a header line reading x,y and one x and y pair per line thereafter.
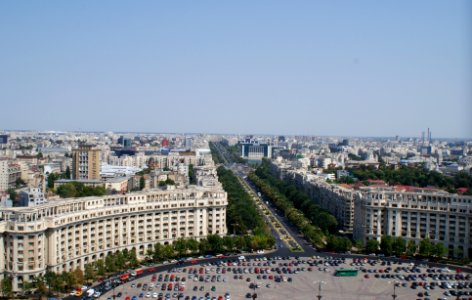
x,y
361,69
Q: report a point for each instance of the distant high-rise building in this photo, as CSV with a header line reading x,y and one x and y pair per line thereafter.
x,y
125,142
85,163
254,150
4,175
3,139
188,143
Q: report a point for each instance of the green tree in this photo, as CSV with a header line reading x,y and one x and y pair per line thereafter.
x,y
411,248
12,194
78,189
241,243
216,243
78,275
110,264
180,245
133,259
51,179
228,243
68,281
386,245
7,287
26,286
100,265
168,252
426,247
67,190
19,182
204,246
440,250
90,272
40,284
142,183
121,259
67,173
156,253
191,175
399,245
372,246
50,278
339,244
192,245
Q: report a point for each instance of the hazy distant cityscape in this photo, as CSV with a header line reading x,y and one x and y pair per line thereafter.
x,y
218,150
70,199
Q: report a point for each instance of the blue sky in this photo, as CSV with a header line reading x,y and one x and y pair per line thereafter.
x,y
349,68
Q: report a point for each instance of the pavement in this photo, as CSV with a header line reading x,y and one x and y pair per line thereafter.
x,y
304,284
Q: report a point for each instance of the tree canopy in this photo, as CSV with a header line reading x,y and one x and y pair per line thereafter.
x,y
78,189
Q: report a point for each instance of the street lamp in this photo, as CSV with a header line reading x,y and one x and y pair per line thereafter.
x,y
254,294
394,295
319,288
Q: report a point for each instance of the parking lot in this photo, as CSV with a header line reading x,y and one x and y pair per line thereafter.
x,y
291,278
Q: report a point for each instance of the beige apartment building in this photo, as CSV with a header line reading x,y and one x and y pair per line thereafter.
x,y
440,216
4,176
85,163
66,234
375,211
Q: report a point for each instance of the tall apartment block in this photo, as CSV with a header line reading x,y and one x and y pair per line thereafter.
x,y
66,234
373,212
3,174
439,216
254,150
85,163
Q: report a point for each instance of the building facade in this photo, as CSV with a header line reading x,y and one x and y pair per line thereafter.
x,y
376,211
66,234
442,217
85,163
14,173
32,197
254,150
4,176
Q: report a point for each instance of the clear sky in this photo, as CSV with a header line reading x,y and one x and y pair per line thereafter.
x,y
349,68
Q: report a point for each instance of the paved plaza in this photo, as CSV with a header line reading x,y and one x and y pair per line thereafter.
x,y
295,279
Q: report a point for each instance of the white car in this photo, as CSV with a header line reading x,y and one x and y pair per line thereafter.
x,y
90,292
154,295
148,295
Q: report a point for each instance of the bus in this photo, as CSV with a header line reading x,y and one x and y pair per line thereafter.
x,y
346,272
